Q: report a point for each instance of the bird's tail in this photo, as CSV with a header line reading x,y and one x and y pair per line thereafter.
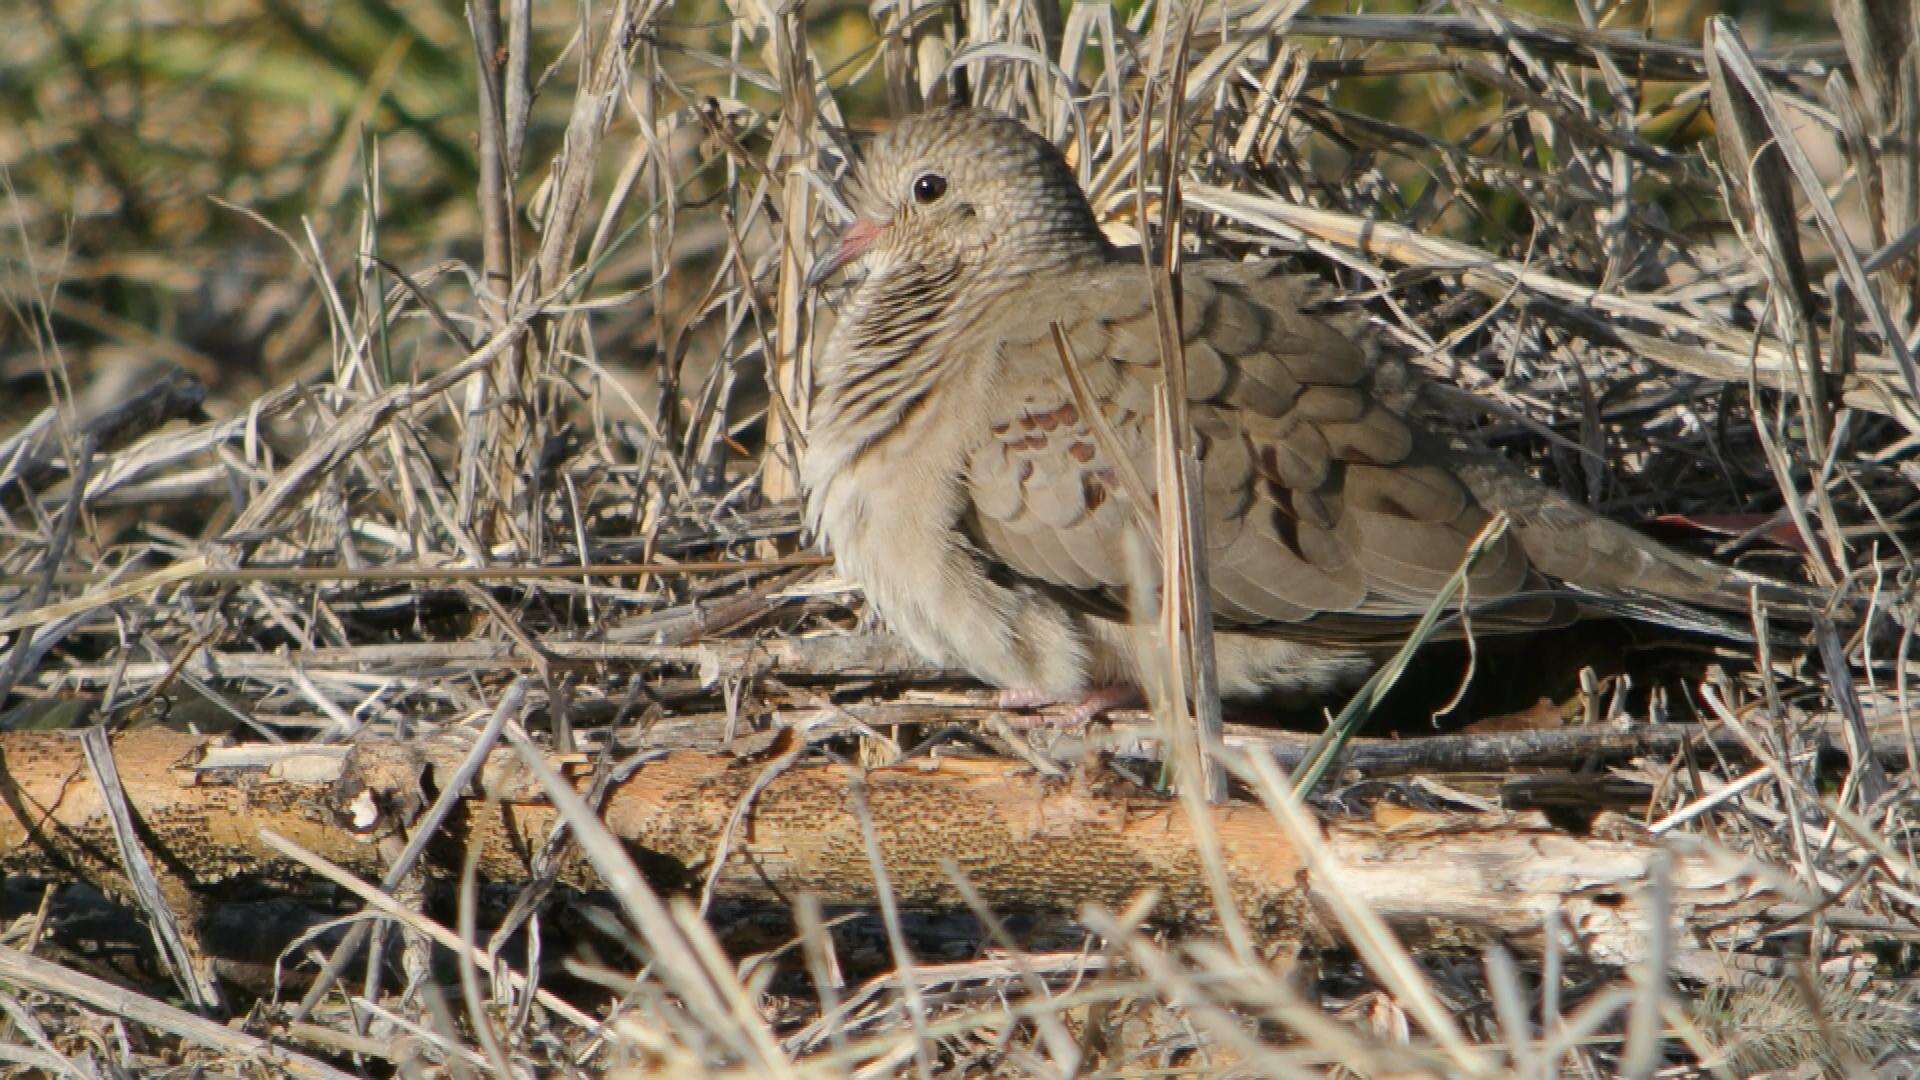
x,y
1614,570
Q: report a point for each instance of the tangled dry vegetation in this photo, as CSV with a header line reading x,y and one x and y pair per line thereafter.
x,y
415,660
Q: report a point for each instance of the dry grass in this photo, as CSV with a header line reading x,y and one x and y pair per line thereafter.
x,y
557,321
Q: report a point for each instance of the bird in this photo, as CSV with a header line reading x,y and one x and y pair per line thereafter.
x,y
952,472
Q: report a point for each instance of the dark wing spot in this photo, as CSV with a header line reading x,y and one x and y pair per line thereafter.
x,y
1287,527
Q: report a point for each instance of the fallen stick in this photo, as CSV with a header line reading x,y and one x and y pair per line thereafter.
x,y
843,655
1025,843
171,395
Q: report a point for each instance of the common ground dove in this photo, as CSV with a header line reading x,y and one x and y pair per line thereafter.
x,y
954,477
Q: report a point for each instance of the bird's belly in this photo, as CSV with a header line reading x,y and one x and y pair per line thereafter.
x,y
891,528
889,534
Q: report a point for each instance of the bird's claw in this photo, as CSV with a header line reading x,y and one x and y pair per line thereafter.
x,y
1081,712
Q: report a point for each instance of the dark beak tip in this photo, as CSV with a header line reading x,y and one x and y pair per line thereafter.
x,y
823,268
852,243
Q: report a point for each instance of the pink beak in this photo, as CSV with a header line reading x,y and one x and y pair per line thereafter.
x,y
854,242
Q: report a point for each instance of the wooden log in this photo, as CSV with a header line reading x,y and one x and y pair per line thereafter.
x,y
1028,844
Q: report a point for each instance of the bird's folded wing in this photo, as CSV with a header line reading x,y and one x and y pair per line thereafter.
x,y
1321,505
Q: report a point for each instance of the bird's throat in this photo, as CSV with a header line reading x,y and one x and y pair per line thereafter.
x,y
900,310
886,355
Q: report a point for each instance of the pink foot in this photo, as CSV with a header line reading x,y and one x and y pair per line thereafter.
x,y
1085,710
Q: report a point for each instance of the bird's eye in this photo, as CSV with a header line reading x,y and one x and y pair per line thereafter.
x,y
928,187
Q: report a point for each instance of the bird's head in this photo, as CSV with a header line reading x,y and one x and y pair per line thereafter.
x,y
965,189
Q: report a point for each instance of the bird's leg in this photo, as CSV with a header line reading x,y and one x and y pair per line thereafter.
x,y
1085,709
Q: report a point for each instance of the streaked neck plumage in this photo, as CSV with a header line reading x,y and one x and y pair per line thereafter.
x,y
898,332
